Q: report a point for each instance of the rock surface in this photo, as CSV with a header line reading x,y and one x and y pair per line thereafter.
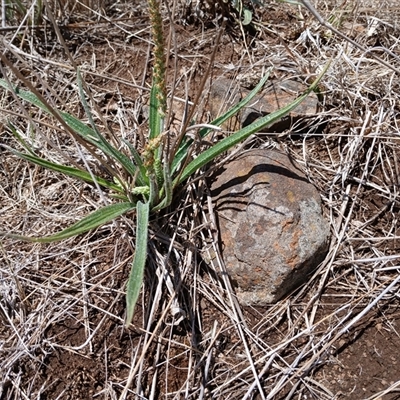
x,y
271,226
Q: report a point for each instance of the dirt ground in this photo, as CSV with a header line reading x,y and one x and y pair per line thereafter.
x,y
62,334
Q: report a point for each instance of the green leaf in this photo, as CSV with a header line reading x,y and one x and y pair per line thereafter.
x,y
142,178
247,16
123,160
88,134
230,141
167,190
98,141
15,133
184,148
91,221
27,96
70,171
234,110
155,119
139,260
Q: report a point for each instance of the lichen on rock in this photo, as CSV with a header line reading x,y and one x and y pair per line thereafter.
x,y
271,226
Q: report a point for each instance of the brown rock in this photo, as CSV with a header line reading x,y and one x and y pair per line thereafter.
x,y
271,227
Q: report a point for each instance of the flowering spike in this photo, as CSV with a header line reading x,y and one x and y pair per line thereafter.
x,y
159,56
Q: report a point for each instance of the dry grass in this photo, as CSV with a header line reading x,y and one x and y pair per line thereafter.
x,y
62,305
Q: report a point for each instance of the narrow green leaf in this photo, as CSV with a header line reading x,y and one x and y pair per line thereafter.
x,y
70,171
154,193
142,178
74,123
27,96
139,260
82,130
22,141
167,190
91,221
230,141
123,160
155,120
78,127
184,148
234,110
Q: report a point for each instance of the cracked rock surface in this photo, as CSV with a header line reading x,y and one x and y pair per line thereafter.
x,y
272,231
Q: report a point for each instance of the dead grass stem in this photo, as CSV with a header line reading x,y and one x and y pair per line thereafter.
x,y
61,305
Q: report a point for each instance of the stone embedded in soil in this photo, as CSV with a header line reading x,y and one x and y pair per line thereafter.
x,y
225,93
272,231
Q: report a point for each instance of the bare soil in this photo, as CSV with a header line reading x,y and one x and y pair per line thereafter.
x,y
62,334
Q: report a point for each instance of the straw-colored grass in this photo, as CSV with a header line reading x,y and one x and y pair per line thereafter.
x,y
62,305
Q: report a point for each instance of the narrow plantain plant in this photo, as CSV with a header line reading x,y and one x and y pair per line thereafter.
x,y
142,181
